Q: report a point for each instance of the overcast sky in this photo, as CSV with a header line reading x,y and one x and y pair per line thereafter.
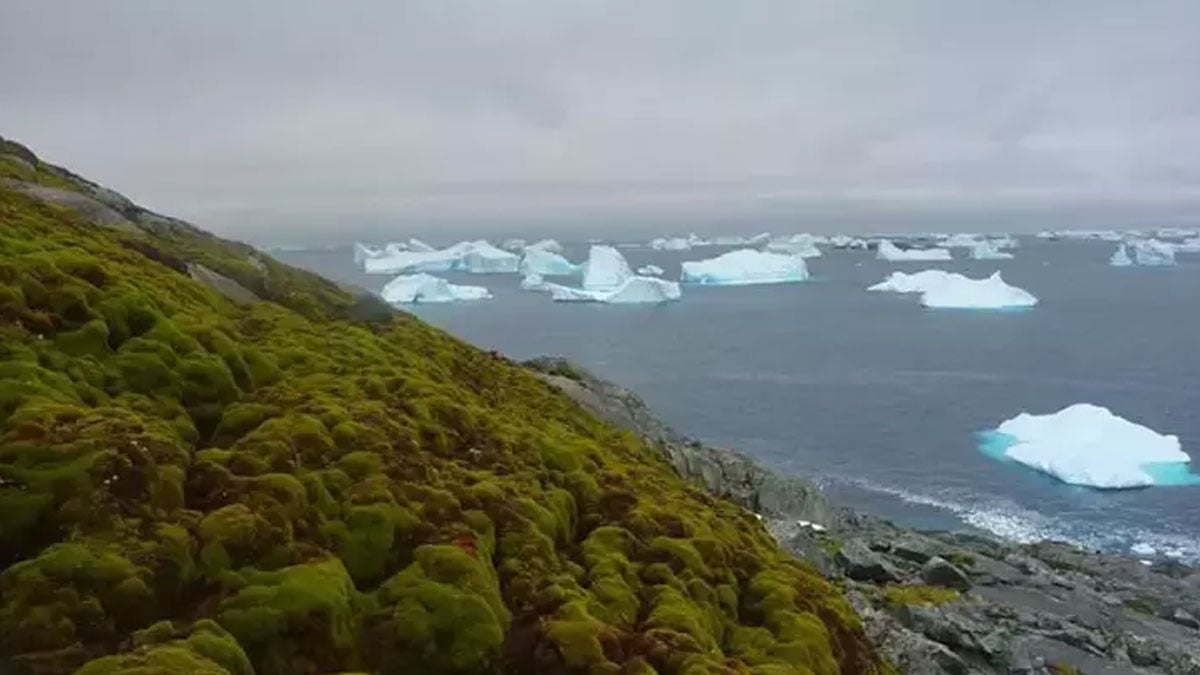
x,y
245,113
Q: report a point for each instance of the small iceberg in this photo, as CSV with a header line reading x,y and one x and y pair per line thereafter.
x,y
803,245
547,263
425,288
515,244
634,290
605,269
889,251
671,244
478,257
1190,245
744,267
1120,258
363,252
1153,253
950,290
845,241
986,250
1086,444
607,278
961,240
650,271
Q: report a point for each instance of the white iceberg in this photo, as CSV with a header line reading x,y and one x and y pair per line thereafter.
x,y
535,282
650,270
550,245
889,251
949,290
546,263
743,267
1191,245
515,244
415,244
424,288
962,240
362,252
1086,444
634,290
803,245
986,250
1153,253
738,240
671,244
481,257
469,256
605,269
1120,258
845,241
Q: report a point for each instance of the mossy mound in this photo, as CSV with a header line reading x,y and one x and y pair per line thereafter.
x,y
306,484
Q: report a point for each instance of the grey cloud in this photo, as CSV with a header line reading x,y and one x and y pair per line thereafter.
x,y
234,113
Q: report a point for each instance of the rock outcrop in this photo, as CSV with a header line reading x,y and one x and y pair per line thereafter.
x,y
945,602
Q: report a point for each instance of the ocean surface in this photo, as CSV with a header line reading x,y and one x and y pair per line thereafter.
x,y
878,399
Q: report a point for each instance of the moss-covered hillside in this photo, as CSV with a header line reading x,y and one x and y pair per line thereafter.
x,y
194,482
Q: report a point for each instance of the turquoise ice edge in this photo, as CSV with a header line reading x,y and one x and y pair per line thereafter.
x,y
995,444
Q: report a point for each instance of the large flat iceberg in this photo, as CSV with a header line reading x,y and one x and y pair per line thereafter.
x,y
949,290
424,288
744,267
546,263
889,251
1085,444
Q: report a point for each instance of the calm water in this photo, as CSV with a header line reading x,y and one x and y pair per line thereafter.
x,y
877,398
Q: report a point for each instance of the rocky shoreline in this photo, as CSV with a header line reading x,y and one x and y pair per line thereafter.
x,y
942,602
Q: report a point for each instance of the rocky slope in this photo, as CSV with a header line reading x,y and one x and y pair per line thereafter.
x,y
939,602
211,462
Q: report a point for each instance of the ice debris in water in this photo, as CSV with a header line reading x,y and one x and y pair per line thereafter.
x,y
547,263
651,270
744,267
1088,445
425,288
950,290
889,251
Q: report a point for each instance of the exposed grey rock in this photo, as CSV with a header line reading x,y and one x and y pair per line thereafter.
x,y
227,287
1183,617
862,564
91,209
941,572
722,472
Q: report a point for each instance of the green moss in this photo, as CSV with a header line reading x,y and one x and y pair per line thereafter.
x,y
338,487
920,595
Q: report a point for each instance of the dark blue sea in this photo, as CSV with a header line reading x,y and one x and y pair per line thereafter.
x,y
878,399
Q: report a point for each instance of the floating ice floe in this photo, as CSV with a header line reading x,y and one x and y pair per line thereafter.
x,y
986,250
1085,444
478,257
889,251
535,282
1120,257
803,245
1082,235
651,270
950,290
744,267
1153,253
546,263
845,241
425,288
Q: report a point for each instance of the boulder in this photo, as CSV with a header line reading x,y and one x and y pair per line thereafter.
x,y
862,564
938,571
